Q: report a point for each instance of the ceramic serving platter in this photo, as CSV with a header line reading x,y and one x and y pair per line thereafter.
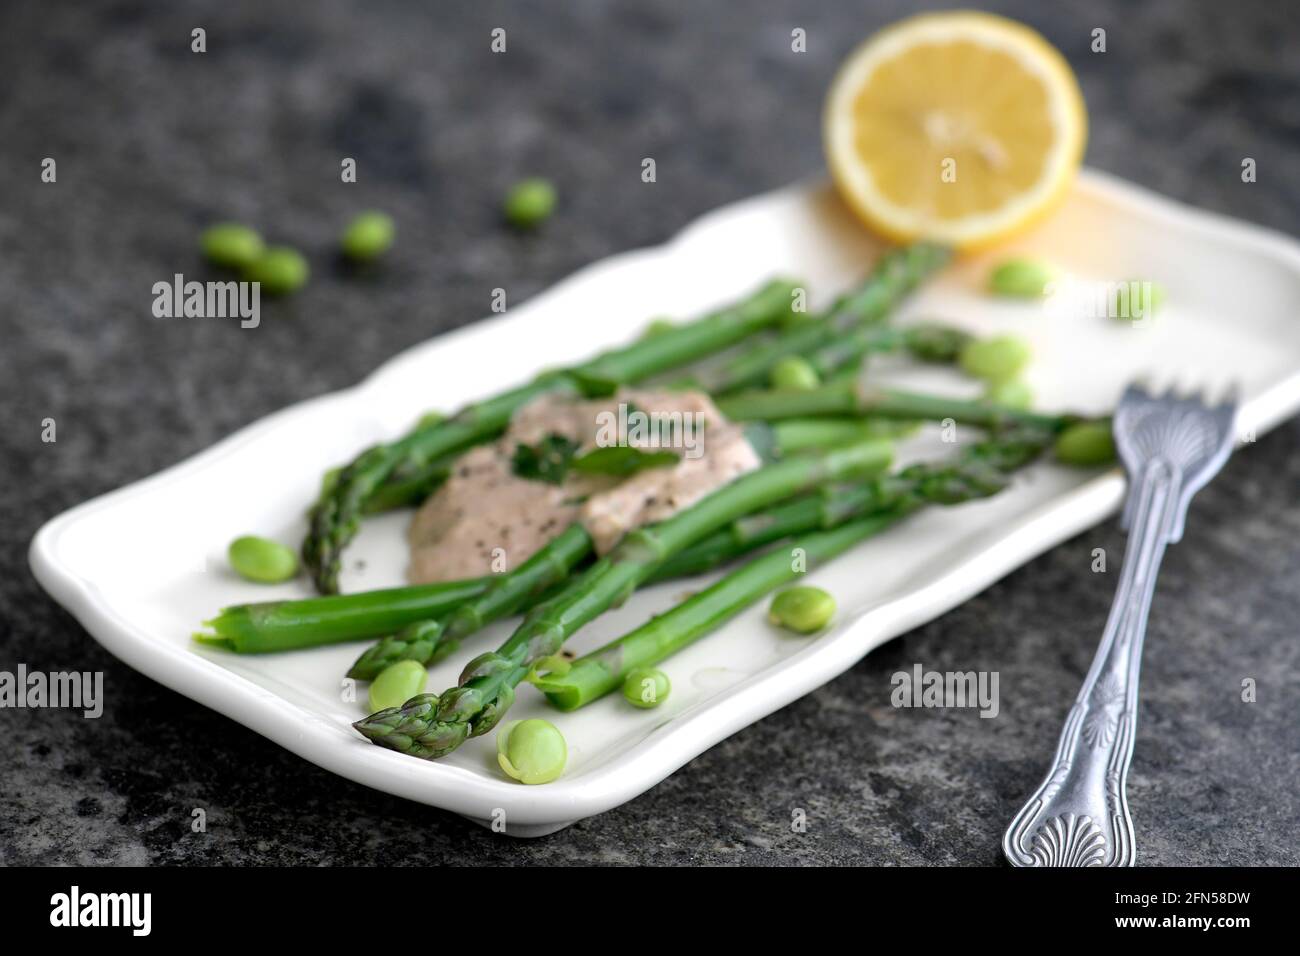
x,y
1230,315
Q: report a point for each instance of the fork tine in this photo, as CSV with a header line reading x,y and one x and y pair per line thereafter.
x,y
1183,388
1135,391
1175,386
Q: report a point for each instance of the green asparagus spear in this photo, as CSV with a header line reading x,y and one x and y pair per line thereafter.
x,y
430,726
289,625
336,516
593,675
978,472
430,641
408,485
935,341
897,273
837,342
824,508
408,492
929,342
852,397
801,434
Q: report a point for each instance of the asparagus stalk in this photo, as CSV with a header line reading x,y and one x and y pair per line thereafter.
x,y
935,341
415,619
337,514
897,273
810,512
801,434
289,625
430,726
432,640
408,487
977,473
403,491
596,674
852,397
929,342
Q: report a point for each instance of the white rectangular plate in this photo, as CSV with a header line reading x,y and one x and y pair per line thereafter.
x,y
1230,315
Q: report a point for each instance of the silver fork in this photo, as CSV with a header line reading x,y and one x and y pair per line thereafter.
x,y
1171,447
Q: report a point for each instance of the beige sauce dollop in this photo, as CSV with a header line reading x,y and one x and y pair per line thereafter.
x,y
485,518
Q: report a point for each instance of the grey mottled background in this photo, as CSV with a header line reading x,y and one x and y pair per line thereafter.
x,y
153,142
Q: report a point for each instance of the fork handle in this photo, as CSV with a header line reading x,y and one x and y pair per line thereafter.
x,y
1079,814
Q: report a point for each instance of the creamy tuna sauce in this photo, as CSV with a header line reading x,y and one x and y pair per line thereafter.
x,y
484,506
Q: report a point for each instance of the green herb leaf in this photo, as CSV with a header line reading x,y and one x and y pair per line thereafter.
x,y
622,460
546,461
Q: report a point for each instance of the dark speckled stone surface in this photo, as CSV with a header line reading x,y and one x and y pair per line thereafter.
x,y
153,142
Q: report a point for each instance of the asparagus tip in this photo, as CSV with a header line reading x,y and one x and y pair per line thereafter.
x,y
375,727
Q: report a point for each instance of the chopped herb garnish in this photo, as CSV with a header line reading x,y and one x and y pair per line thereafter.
x,y
546,461
622,460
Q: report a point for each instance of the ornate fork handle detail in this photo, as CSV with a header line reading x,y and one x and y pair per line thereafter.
x,y
1171,447
1079,815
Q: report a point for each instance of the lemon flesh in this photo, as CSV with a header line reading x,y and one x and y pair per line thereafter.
x,y
964,128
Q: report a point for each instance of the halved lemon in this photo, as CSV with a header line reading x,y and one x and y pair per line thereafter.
x,y
959,127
